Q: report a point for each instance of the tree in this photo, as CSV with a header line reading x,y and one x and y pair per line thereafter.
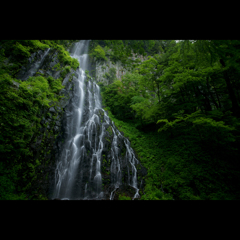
x,y
98,53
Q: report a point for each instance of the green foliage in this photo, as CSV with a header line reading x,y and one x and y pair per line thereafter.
x,y
190,91
121,50
37,44
65,58
122,197
179,165
110,75
22,106
116,99
87,74
55,84
21,50
65,71
8,178
98,53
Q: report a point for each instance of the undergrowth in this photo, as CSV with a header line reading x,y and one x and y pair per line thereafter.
x,y
178,168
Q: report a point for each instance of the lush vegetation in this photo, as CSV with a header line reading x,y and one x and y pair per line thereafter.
x,y
22,106
180,109
98,53
123,50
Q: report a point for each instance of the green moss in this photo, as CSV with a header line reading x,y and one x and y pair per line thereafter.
x,y
65,58
57,67
110,131
123,197
21,123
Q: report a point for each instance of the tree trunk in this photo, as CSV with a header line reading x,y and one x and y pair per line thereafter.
x,y
212,97
206,103
197,95
219,103
235,107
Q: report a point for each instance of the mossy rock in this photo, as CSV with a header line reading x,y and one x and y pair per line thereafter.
x,y
110,131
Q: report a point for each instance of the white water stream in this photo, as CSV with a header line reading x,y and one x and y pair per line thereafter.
x,y
85,142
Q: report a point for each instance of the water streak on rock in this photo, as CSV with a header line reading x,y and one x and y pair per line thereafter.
x,y
35,66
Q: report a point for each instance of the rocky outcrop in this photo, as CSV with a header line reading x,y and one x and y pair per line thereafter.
x,y
102,67
43,145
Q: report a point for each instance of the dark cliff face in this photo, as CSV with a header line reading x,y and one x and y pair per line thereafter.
x,y
117,171
44,146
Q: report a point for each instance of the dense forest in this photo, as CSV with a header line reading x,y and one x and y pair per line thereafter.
x,y
180,109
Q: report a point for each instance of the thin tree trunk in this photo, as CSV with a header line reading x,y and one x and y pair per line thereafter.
x,y
212,97
206,102
158,93
235,107
219,103
197,95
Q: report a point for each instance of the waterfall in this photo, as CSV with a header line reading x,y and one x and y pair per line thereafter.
x,y
71,153
91,142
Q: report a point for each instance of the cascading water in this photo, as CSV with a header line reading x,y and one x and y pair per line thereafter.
x,y
91,138
71,152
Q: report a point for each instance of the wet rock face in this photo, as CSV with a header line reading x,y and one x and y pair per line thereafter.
x,y
106,164
35,62
102,144
45,143
103,67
